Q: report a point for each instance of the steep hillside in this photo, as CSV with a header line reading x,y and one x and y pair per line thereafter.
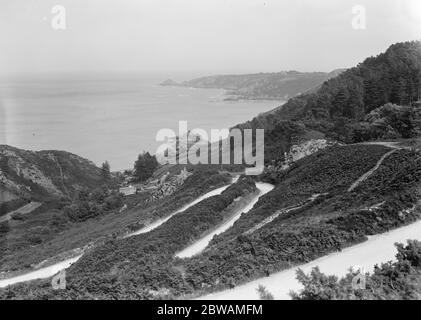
x,y
374,100
58,227
304,227
270,86
327,195
44,175
340,105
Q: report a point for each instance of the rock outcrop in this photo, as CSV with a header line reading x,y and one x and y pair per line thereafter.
x,y
170,185
304,149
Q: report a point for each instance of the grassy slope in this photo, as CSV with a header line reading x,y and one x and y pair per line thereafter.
x,y
46,232
329,225
133,267
130,268
67,172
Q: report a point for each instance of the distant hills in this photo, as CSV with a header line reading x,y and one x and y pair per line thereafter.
x,y
260,86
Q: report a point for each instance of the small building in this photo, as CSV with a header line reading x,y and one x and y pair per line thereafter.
x,y
128,190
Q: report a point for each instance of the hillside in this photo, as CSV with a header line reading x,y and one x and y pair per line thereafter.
x,y
57,228
398,280
375,100
312,227
339,108
260,86
331,190
43,175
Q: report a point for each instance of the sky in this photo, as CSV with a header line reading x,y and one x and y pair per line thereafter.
x,y
199,36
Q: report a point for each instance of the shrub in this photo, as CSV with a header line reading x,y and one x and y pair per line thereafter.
x,y
393,280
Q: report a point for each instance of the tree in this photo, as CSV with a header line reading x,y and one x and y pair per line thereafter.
x,y
144,166
105,170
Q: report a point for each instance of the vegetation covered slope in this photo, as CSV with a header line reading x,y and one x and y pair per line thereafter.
x,y
145,267
370,101
59,226
384,201
44,175
340,107
393,76
399,280
136,267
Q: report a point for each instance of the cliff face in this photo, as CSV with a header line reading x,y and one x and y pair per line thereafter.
x,y
44,174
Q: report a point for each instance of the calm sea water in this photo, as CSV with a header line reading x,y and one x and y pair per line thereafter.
x,y
108,117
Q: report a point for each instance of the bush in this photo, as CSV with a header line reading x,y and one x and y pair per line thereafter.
x,y
393,280
4,228
264,294
89,205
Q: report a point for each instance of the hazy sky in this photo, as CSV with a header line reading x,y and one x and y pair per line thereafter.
x,y
200,36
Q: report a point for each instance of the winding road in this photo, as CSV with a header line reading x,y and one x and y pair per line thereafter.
x,y
43,273
282,211
50,271
369,173
378,249
201,244
27,208
159,222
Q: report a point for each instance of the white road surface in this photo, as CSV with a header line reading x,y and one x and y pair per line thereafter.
x,y
159,222
378,249
201,244
50,271
43,273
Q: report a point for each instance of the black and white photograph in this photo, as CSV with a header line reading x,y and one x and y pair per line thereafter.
x,y
210,157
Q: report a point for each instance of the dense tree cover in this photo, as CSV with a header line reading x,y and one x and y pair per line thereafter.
x,y
387,122
398,280
393,76
144,166
86,205
339,107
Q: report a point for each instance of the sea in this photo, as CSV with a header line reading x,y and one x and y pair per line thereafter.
x,y
109,117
